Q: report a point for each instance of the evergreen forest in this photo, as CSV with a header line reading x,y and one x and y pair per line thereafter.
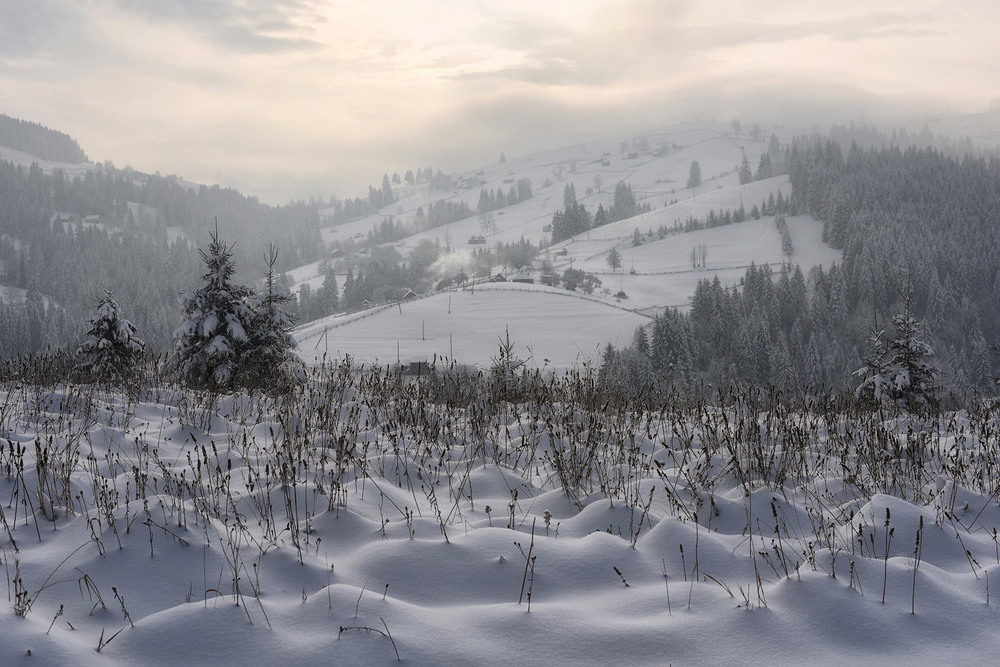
x,y
913,224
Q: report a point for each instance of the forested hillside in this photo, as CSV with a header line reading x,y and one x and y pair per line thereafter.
x,y
63,242
39,141
906,220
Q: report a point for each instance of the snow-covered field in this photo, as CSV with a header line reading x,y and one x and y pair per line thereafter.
x,y
549,327
366,520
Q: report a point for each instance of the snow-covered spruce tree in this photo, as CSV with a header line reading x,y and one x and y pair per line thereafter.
x,y
112,347
900,370
875,374
215,336
270,361
910,353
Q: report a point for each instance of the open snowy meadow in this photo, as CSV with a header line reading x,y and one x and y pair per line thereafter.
x,y
372,518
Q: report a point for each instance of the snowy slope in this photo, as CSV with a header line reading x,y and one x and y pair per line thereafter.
x,y
655,275
71,170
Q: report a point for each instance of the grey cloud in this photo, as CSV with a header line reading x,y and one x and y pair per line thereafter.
x,y
653,38
787,100
550,73
251,26
524,123
519,35
30,28
60,42
853,29
517,124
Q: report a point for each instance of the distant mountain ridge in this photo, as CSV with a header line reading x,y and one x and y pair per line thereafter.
x,y
40,141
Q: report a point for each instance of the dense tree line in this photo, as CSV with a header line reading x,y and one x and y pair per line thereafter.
x,y
381,278
388,230
574,218
624,205
442,212
490,200
914,219
568,222
382,196
39,141
379,197
869,136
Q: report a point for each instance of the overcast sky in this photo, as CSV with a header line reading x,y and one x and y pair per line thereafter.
x,y
292,98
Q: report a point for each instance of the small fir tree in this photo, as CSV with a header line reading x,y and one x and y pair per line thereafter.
x,y
270,361
614,259
112,347
694,177
601,216
914,381
640,341
329,293
216,334
899,370
745,171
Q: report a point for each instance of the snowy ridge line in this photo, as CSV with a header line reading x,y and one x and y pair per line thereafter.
x,y
565,293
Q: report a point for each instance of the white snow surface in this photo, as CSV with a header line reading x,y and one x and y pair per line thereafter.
x,y
549,327
171,497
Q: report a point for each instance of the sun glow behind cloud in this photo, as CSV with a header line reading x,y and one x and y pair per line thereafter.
x,y
300,97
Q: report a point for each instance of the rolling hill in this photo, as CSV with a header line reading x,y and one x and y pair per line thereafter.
x,y
563,332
